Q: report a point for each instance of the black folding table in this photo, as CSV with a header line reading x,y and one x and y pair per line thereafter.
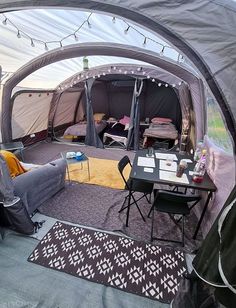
x,y
138,173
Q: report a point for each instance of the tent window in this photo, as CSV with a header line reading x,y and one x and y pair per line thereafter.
x,y
216,129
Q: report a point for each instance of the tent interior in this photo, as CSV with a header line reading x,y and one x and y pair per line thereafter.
x,y
107,63
111,95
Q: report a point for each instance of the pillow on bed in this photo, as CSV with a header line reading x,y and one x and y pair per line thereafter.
x,y
124,120
161,120
98,116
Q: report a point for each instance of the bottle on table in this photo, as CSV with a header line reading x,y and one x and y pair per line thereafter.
x,y
200,168
198,151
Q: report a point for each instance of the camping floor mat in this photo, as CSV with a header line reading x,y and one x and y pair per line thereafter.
x,y
120,262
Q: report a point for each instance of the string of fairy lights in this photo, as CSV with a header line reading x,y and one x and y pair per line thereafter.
x,y
115,70
86,74
75,34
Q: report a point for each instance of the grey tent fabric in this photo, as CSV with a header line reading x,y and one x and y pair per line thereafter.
x,y
215,260
92,137
192,26
133,134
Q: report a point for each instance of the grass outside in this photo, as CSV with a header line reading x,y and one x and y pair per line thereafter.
x,y
216,128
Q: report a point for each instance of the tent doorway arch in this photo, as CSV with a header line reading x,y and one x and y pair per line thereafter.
x,y
119,50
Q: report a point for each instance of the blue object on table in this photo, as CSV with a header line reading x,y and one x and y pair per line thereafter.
x,y
79,156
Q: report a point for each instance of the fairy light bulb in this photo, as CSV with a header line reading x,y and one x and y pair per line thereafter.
x,y
113,20
166,85
76,37
162,51
159,84
145,42
126,30
18,34
4,21
89,24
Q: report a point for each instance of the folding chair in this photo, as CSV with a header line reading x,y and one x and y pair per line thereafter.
x,y
172,203
133,186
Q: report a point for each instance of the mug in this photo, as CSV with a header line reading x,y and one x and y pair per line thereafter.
x,y
180,168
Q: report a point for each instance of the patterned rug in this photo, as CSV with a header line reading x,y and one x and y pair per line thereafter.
x,y
132,266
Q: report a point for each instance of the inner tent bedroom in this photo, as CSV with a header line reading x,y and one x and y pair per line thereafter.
x,y
114,107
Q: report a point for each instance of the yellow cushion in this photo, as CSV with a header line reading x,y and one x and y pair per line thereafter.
x,y
68,136
14,165
98,116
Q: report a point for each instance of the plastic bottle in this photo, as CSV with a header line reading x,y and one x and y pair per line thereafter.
x,y
198,151
200,168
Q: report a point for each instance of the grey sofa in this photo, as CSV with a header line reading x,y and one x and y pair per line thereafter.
x,y
36,186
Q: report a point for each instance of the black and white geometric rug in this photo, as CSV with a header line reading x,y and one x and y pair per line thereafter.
x,y
136,267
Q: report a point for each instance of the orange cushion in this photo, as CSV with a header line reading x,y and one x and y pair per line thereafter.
x,y
14,166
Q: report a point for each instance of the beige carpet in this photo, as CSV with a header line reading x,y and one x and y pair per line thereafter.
x,y
103,172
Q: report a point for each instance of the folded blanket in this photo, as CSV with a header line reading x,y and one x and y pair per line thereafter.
x,y
14,165
163,131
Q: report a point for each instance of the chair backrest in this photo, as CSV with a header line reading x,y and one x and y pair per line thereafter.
x,y
122,164
177,197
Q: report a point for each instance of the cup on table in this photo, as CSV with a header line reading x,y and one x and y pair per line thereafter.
x,y
169,160
150,152
181,167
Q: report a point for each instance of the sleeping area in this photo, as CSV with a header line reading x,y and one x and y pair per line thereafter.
x,y
160,128
79,129
159,112
117,132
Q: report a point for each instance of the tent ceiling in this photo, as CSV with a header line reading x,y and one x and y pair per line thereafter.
x,y
203,30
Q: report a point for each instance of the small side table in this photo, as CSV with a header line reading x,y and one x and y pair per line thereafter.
x,y
84,159
13,146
